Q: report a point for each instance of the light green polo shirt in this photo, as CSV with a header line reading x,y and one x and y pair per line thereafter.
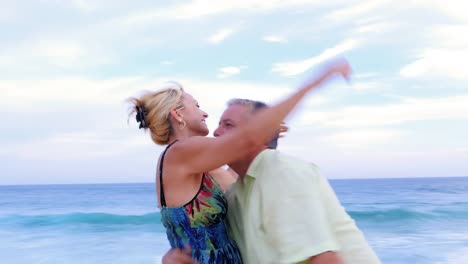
x,y
284,211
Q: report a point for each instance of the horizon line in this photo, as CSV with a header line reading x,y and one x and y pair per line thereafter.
x,y
121,183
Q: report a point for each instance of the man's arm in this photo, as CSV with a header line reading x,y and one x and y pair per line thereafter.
x,y
224,177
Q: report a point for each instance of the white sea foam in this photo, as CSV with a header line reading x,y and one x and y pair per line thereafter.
x,y
459,256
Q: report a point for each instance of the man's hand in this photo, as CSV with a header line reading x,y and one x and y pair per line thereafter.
x,y
283,129
178,256
328,257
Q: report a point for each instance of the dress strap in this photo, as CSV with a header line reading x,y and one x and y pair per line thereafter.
x,y
162,199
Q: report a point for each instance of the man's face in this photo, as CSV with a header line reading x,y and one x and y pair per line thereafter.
x,y
232,117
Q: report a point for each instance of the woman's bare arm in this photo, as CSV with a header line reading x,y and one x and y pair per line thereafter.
x,y
200,154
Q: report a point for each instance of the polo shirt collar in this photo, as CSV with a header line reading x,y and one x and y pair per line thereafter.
x,y
255,167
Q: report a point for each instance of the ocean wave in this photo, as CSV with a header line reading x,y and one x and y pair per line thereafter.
x,y
154,219
407,214
82,219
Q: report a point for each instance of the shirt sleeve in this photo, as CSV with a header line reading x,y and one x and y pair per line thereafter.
x,y
354,246
295,218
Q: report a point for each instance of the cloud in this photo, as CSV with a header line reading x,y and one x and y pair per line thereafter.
x,y
362,138
444,56
83,145
408,110
455,10
39,95
450,36
376,27
83,5
205,8
230,71
439,63
9,11
365,85
166,62
462,150
365,75
293,68
185,11
51,53
356,10
318,100
221,36
274,39
60,52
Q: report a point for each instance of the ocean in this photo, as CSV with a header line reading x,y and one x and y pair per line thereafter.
x,y
412,220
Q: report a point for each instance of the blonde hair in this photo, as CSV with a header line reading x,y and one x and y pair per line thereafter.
x,y
157,106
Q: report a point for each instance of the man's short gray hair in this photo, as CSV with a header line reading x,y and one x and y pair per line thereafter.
x,y
255,106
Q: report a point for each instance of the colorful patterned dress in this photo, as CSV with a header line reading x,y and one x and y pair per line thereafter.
x,y
201,223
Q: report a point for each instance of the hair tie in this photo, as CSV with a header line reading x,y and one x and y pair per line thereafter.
x,y
141,116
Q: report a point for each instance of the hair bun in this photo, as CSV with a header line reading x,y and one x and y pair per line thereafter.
x,y
141,116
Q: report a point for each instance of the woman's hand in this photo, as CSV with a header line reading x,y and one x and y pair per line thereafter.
x,y
179,256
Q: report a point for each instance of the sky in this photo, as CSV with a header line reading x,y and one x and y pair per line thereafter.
x,y
68,66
